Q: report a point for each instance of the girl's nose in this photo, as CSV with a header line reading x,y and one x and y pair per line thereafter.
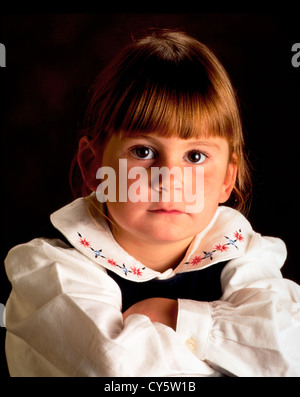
x,y
166,179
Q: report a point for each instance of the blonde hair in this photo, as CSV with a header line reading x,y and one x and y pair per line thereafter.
x,y
171,84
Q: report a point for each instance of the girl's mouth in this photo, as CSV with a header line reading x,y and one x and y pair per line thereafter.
x,y
166,211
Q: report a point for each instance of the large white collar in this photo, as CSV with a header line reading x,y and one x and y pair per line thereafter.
x,y
226,237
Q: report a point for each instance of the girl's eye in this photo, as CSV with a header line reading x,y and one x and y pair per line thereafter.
x,y
143,153
195,157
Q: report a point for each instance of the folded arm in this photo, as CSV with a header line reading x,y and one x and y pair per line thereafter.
x,y
254,329
64,318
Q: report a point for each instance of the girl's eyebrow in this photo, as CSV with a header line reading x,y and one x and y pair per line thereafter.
x,y
210,144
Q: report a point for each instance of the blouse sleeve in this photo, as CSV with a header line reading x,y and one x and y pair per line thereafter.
x,y
254,329
63,318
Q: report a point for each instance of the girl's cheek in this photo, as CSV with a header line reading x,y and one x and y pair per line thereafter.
x,y
212,183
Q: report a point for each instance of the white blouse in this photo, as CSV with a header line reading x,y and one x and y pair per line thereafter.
x,y
64,314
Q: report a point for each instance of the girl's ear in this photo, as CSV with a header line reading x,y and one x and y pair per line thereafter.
x,y
229,180
88,161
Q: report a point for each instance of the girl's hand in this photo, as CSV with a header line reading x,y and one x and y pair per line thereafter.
x,y
159,310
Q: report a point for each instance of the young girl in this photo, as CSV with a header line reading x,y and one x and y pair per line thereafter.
x,y
132,286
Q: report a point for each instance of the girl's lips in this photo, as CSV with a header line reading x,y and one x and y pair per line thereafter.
x,y
167,212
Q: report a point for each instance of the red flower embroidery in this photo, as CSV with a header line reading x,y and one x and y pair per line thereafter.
x,y
136,271
112,262
197,259
238,236
84,242
221,247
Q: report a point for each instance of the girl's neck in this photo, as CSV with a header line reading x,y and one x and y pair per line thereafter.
x,y
156,256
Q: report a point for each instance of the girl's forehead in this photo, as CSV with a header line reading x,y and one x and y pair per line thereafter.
x,y
167,133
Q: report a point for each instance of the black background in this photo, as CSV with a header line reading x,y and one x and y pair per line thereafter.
x,y
51,60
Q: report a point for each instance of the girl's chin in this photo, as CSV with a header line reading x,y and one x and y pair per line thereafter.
x,y
157,227
166,234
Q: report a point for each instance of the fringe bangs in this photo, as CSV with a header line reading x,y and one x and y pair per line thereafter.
x,y
155,109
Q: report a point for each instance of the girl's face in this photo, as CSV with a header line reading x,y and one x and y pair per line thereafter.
x,y
160,221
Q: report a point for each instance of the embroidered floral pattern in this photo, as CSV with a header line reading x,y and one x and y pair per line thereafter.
x,y
98,253
136,271
195,260
219,247
83,241
238,236
111,262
